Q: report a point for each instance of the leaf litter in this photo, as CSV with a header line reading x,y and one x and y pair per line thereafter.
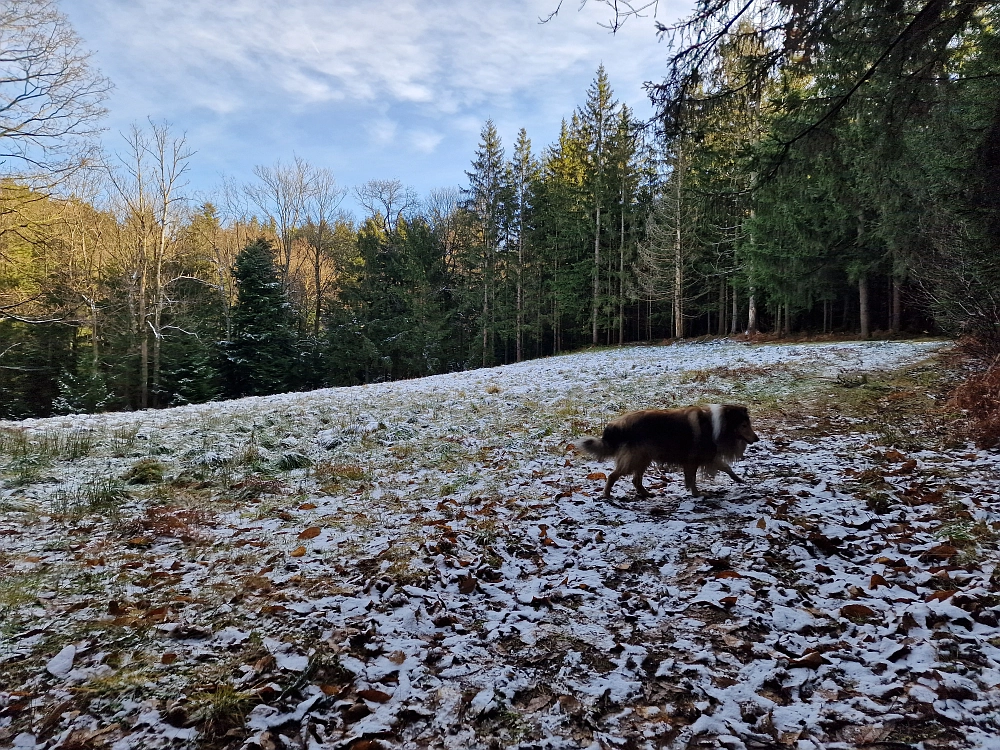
x,y
436,567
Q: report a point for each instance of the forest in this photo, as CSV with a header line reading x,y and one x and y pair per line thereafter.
x,y
814,167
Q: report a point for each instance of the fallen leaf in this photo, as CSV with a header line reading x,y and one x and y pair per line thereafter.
x,y
727,574
308,506
168,657
877,581
940,596
597,475
812,660
941,552
375,696
906,467
467,584
727,601
397,657
856,612
762,524
311,533
297,552
570,705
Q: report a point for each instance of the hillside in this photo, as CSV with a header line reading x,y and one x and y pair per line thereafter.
x,y
428,563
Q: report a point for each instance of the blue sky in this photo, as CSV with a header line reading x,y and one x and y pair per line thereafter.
x,y
372,90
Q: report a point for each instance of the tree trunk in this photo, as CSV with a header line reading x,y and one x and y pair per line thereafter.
x,y
722,306
518,354
752,314
597,269
734,315
621,275
864,313
897,308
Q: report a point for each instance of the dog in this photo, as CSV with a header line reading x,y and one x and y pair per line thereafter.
x,y
694,437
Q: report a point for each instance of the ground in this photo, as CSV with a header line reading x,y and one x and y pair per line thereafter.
x,y
430,564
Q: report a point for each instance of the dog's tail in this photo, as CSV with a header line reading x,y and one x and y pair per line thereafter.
x,y
605,446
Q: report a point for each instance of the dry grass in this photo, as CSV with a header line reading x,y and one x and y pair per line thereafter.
x,y
979,396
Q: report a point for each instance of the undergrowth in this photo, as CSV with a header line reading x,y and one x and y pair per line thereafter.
x,y
979,396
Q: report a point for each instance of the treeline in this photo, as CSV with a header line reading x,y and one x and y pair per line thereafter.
x,y
818,166
122,296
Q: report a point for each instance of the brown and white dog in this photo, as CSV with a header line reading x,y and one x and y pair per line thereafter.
x,y
695,437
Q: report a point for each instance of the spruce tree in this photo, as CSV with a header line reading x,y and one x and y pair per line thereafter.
x,y
260,354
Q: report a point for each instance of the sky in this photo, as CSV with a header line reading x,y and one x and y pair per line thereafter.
x,y
372,89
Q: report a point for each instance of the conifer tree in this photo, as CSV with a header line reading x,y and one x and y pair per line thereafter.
x,y
260,355
523,175
486,200
597,118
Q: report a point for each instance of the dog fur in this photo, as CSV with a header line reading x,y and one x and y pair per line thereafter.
x,y
694,437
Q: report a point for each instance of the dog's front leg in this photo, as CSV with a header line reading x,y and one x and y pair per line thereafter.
x,y
691,478
721,465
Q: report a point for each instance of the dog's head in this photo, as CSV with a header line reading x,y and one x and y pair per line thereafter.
x,y
738,425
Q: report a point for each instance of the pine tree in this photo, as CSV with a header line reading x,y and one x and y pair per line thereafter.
x,y
487,193
524,173
260,355
597,119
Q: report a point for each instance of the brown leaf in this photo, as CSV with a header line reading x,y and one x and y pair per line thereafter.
x,y
906,467
375,696
941,552
297,552
570,705
397,657
939,596
856,612
597,475
467,584
307,506
116,610
311,533
168,657
139,541
894,455
727,601
877,581
356,712
812,660
762,524
727,574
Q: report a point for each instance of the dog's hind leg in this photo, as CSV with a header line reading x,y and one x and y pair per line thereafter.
x,y
637,481
612,478
691,478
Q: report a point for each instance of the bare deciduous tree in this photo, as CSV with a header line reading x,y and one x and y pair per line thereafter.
x,y
387,201
146,183
281,194
324,200
50,96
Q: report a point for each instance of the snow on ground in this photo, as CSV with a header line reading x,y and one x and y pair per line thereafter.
x,y
429,564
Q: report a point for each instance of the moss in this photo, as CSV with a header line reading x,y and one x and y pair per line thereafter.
x,y
146,471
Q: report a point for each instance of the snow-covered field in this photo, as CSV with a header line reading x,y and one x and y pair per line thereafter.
x,y
429,564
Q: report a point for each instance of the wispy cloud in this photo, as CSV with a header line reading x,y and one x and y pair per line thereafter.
x,y
407,73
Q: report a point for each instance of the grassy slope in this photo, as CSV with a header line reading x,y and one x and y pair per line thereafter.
x,y
450,543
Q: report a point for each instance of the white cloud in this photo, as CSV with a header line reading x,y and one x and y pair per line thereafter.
x,y
372,89
425,141
445,55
